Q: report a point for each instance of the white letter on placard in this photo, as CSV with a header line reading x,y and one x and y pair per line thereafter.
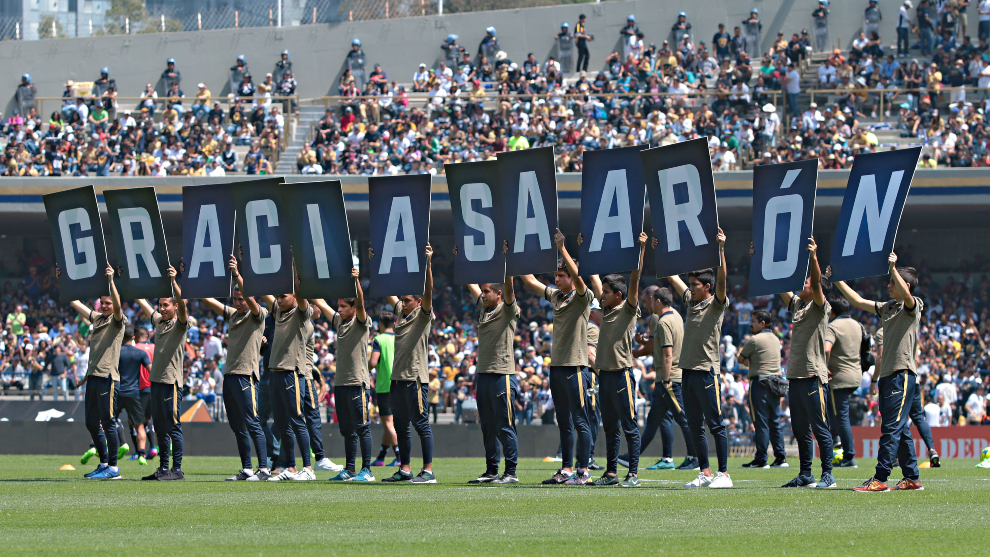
x,y
319,244
477,221
138,248
676,212
616,187
252,212
529,192
400,215
85,246
793,204
868,204
208,222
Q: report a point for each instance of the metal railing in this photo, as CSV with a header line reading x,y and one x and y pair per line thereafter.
x,y
940,94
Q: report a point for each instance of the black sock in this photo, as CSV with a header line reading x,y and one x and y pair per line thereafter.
x,y
141,452
395,449
382,453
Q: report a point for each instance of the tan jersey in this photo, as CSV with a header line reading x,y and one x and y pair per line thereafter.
x,y
702,329
668,330
496,333
170,349
412,332
570,327
809,325
593,341
616,336
352,351
289,342
105,337
244,334
846,336
900,336
763,352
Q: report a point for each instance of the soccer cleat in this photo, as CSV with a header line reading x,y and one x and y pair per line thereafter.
x,y
343,476
283,475
399,476
592,465
847,463
107,473
780,462
153,453
756,464
157,475
328,465
134,456
241,476
122,450
701,481
662,465
579,479
801,481
260,476
605,480
424,477
559,478
88,455
909,485
395,462
99,469
378,462
826,480
175,474
506,478
486,478
304,475
721,481
630,481
689,464
872,485
933,459
364,475
623,460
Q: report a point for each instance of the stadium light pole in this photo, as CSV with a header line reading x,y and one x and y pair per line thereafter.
x,y
279,13
440,7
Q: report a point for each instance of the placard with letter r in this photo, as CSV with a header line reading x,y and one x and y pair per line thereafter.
x,y
871,211
262,238
77,236
613,200
138,234
681,189
783,220
207,240
476,210
529,194
399,209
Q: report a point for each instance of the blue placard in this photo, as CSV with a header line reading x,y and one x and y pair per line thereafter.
x,y
142,255
613,200
262,238
529,193
475,207
207,240
77,235
399,211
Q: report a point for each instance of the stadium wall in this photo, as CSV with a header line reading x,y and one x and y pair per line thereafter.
x,y
318,51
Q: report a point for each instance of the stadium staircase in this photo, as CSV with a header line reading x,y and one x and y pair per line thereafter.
x,y
308,117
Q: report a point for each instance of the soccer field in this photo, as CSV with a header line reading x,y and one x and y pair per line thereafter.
x,y
44,511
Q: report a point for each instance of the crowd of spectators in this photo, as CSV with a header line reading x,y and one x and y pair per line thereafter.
x,y
953,356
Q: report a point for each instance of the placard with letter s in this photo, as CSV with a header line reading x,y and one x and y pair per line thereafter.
x,y
476,210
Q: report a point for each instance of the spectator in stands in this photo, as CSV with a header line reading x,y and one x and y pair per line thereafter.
x,y
171,75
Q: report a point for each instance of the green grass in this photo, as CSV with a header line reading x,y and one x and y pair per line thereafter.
x,y
47,512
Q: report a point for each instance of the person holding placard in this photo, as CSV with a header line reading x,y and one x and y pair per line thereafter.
x,y
246,327
350,388
614,362
569,373
171,322
705,296
102,377
410,387
497,383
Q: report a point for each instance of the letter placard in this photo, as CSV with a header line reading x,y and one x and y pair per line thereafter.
x,y
321,241
207,240
529,194
399,208
142,256
682,206
475,206
262,237
871,211
77,235
613,199
783,220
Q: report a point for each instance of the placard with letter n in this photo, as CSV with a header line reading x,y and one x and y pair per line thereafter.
x,y
321,241
783,220
529,194
262,238
138,234
476,209
77,236
399,207
681,188
207,240
871,211
613,200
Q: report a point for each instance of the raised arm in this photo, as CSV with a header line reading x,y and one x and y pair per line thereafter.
x,y
633,288
324,308
569,264
428,289
596,285
268,299
392,300
180,304
475,292
213,304
146,308
901,290
529,281
235,272
81,309
723,268
114,296
362,314
855,299
508,293
816,274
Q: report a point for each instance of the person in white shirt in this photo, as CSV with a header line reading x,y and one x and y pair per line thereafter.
x,y
933,413
983,31
792,84
826,75
215,169
725,158
420,79
976,406
903,28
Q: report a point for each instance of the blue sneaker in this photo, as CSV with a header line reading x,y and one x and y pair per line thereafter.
x,y
108,473
395,462
662,465
801,481
98,470
134,456
364,475
826,480
343,476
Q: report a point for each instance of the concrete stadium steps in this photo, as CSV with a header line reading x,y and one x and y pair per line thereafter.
x,y
308,117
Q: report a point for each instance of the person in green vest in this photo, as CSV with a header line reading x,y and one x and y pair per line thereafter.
x,y
382,351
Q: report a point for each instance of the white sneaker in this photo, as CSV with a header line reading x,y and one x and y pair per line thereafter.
x,y
328,465
304,475
721,480
701,481
283,475
873,115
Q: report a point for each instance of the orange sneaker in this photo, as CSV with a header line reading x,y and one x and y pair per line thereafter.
x,y
872,485
909,485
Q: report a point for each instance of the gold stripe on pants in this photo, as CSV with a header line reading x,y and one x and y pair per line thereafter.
x,y
821,400
677,405
175,403
632,406
254,399
364,404
309,385
295,377
580,386
508,400
903,396
419,394
718,395
111,399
